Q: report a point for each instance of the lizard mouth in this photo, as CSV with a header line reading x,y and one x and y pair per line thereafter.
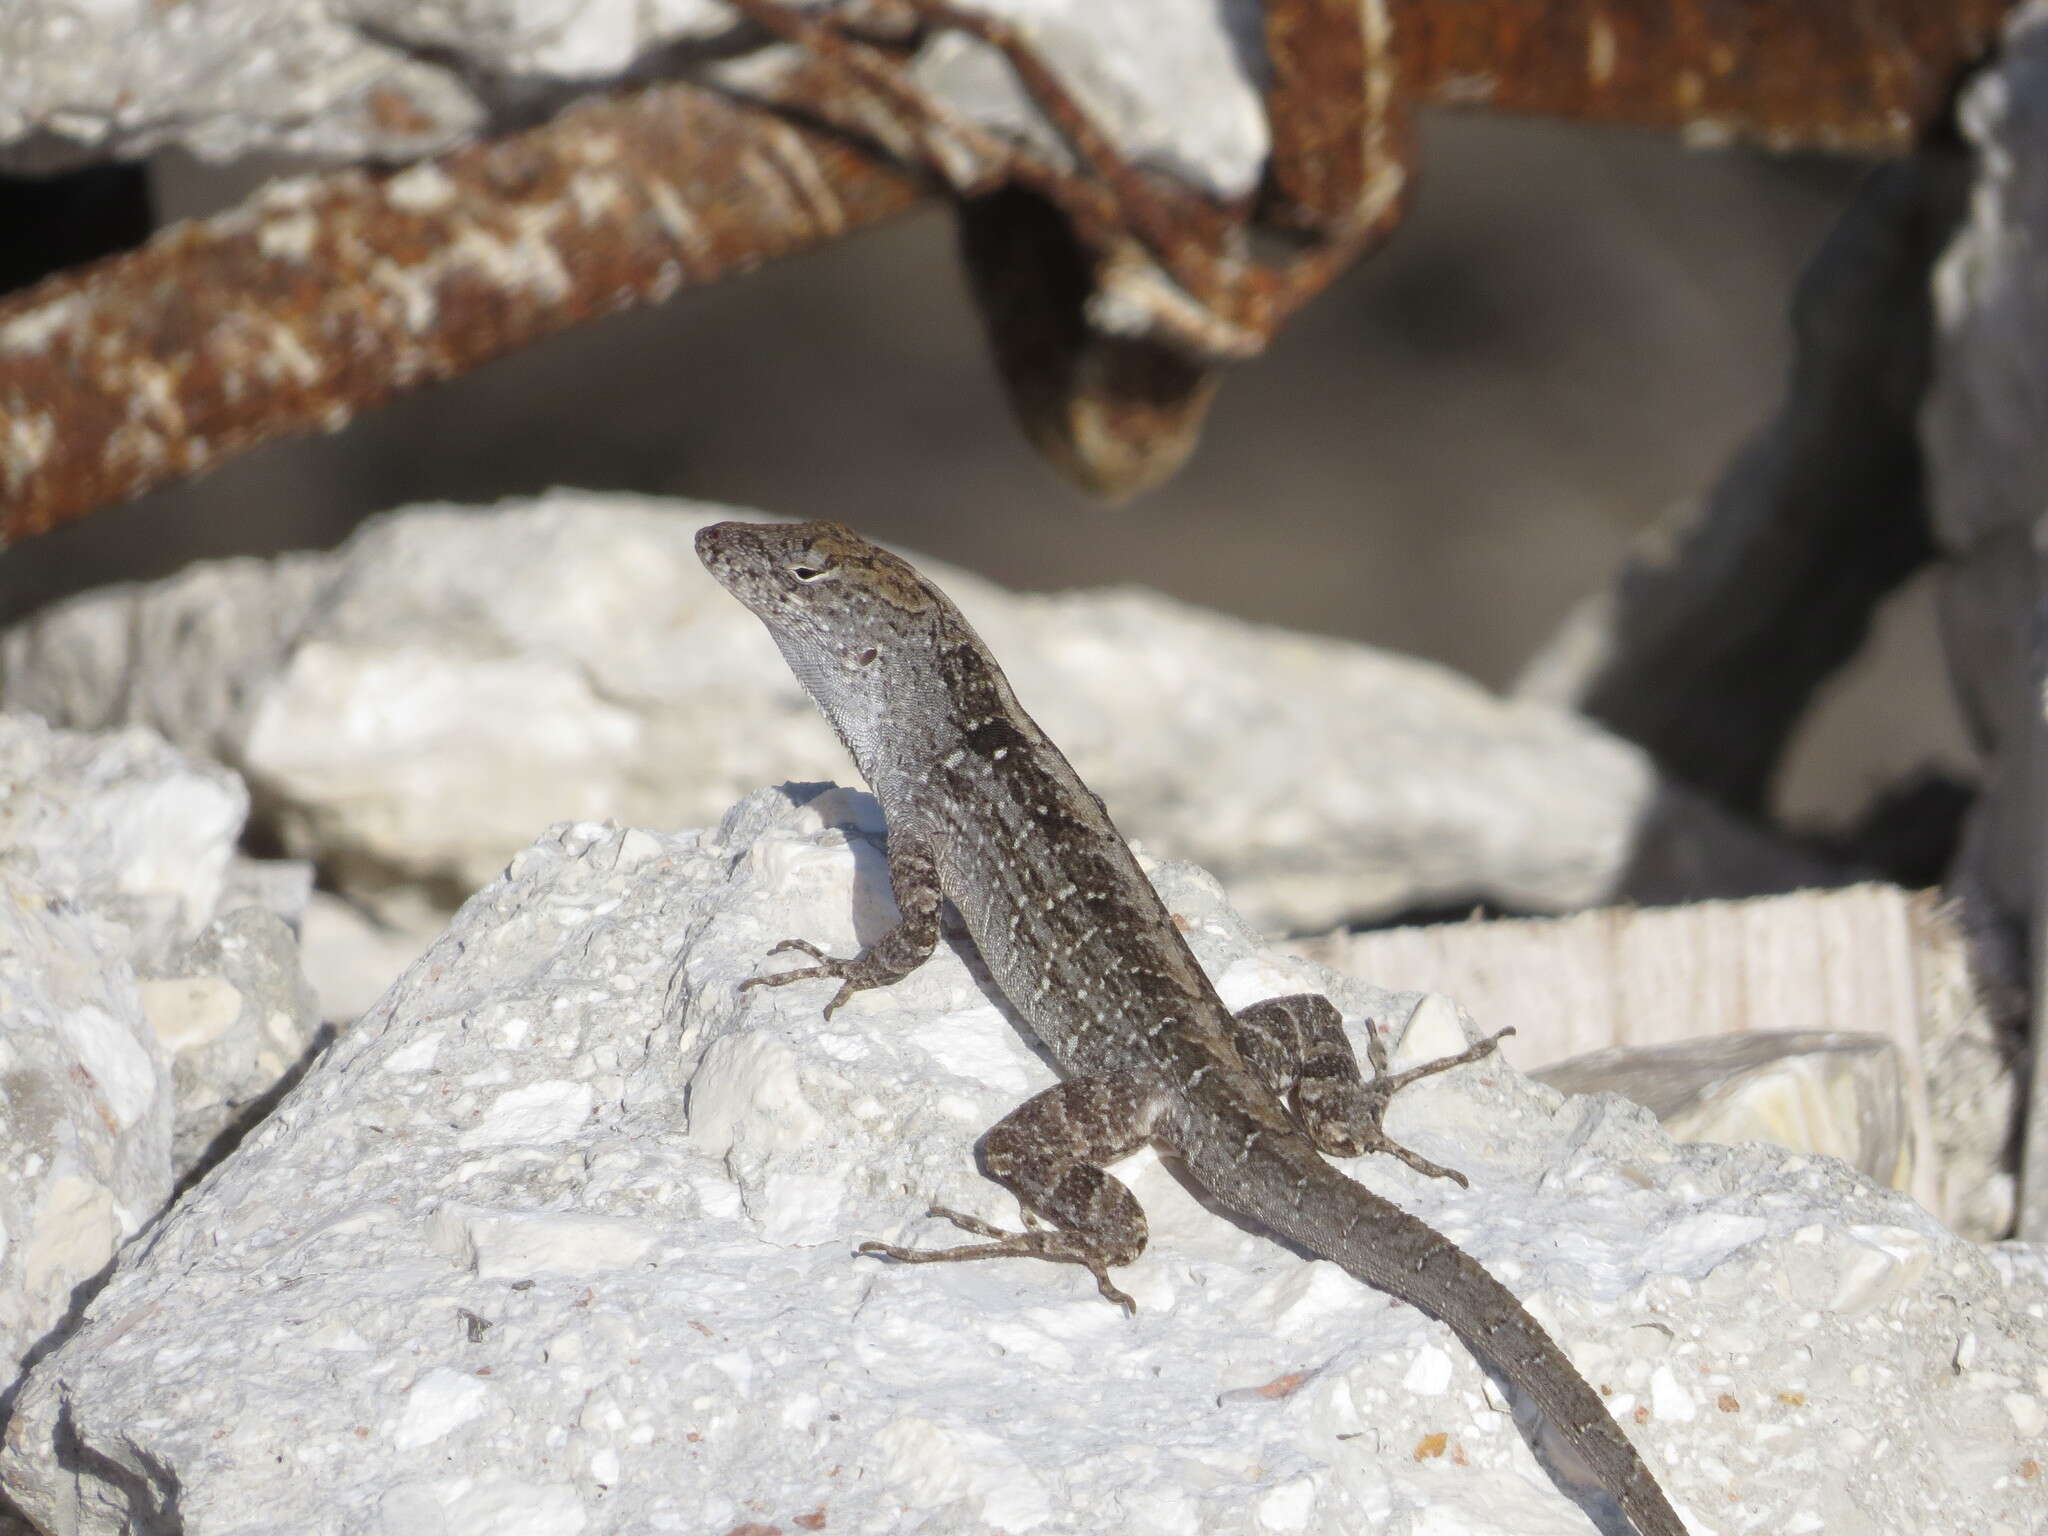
x,y
722,548
713,545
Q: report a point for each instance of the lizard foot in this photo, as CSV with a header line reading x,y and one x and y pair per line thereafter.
x,y
1376,1053
845,972
1057,1247
1346,1118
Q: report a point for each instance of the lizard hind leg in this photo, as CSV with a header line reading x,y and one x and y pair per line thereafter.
x,y
1051,1151
1297,1046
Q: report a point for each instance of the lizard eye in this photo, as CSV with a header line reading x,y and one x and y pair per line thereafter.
x,y
805,572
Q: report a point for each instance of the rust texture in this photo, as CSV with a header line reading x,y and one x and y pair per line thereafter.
x,y
1865,75
325,294
1333,110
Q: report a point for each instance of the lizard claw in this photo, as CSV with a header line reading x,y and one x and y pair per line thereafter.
x,y
1001,1242
826,966
806,947
1111,1293
968,1223
1345,1117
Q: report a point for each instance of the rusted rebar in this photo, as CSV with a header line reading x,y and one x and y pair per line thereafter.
x,y
1863,75
325,294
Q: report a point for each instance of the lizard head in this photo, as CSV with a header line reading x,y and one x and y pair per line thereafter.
x,y
850,618
820,576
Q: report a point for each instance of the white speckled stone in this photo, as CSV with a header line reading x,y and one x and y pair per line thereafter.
x,y
648,1317
236,1014
115,854
142,834
85,1084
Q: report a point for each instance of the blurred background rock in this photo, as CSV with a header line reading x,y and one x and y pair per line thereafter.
x,y
1570,334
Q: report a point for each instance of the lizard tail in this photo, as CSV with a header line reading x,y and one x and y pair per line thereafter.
x,y
1305,1200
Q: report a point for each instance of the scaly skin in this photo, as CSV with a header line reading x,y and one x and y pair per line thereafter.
x,y
983,810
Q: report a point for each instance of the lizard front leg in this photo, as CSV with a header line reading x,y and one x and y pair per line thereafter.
x,y
1296,1045
914,879
1051,1151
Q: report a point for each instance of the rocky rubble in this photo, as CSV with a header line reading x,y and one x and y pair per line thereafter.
x,y
412,706
558,1239
388,80
116,864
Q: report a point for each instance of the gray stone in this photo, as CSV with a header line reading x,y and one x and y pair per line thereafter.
x,y
90,832
1985,431
1676,990
281,886
85,1108
1987,447
1812,1091
351,955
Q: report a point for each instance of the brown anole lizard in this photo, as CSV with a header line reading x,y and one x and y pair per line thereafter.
x,y
984,811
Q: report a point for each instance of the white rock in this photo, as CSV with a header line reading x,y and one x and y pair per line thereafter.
x,y
236,1014
394,78
509,1247
280,886
1667,997
457,678
115,852
137,831
85,1106
440,1402
1164,79
364,1320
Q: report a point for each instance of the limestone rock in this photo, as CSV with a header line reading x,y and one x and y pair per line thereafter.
x,y
1837,1094
1868,959
116,852
562,1229
141,834
416,704
393,79
237,1015
351,956
85,1108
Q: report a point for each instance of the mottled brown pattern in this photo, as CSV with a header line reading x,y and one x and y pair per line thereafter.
x,y
1118,404
888,579
985,811
326,294
1866,75
300,308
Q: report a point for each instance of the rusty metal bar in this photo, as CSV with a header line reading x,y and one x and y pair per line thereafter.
x,y
325,294
1863,75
